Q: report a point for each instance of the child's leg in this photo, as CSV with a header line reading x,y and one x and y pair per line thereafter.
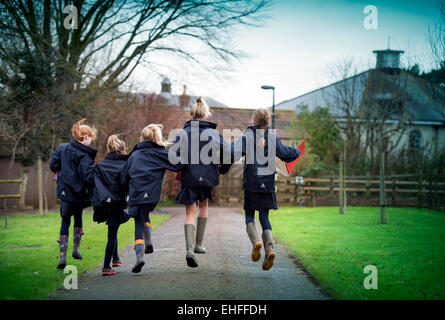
x,y
63,241
147,235
253,235
267,239
264,219
77,234
189,232
65,226
139,224
201,225
111,246
116,248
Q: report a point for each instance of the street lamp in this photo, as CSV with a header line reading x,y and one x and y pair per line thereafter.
x,y
273,102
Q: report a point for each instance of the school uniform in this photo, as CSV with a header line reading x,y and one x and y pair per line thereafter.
x,y
259,189
143,175
74,163
109,196
198,179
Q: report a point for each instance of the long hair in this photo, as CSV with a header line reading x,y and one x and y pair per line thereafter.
x,y
115,144
79,131
200,109
261,118
153,133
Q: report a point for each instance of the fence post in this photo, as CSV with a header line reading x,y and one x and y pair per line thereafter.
x,y
393,192
383,209
368,184
341,186
419,189
40,183
22,187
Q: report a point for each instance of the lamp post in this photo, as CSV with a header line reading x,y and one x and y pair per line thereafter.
x,y
273,102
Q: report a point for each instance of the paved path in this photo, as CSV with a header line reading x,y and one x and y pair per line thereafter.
x,y
225,272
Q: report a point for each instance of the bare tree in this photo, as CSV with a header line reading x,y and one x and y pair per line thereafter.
x,y
67,68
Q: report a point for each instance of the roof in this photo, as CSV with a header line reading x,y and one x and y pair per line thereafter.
x,y
415,92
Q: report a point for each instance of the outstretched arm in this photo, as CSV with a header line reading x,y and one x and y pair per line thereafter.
x,y
286,153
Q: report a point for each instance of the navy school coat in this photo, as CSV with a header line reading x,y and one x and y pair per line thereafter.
x,y
144,172
74,163
200,174
253,180
108,189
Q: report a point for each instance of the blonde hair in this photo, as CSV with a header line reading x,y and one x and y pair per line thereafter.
x,y
79,131
153,133
115,145
261,118
200,109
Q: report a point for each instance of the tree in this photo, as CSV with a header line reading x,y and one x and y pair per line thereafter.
x,y
51,74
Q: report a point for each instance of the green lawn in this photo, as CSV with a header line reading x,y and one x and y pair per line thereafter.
x,y
30,273
409,252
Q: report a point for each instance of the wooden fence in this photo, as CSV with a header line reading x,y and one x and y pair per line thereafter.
x,y
401,190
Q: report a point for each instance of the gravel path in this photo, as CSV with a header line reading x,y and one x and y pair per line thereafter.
x,y
225,272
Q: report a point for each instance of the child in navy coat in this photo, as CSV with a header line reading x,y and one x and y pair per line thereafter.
x,y
143,174
198,176
74,162
259,179
109,198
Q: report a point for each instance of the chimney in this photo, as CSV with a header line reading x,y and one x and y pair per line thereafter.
x,y
166,86
184,99
388,59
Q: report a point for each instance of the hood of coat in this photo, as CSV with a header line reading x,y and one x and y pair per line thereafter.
x,y
90,151
202,124
116,156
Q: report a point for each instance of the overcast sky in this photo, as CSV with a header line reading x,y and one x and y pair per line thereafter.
x,y
295,47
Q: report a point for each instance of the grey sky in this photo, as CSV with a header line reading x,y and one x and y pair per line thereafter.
x,y
295,47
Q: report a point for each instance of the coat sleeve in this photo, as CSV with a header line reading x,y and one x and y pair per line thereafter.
x,y
55,162
166,164
286,153
85,169
125,178
237,151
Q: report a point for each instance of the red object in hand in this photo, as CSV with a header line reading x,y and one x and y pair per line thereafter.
x,y
178,176
290,165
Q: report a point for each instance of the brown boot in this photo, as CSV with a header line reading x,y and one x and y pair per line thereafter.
x,y
63,248
253,236
268,248
77,236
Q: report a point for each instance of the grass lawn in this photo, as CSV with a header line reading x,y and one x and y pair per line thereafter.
x,y
30,273
409,252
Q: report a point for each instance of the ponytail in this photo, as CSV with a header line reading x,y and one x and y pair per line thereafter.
x,y
115,145
261,118
200,110
79,131
153,133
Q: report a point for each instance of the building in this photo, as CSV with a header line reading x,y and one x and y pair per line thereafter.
x,y
410,97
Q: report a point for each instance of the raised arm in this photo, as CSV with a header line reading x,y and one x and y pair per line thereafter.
x,y
286,153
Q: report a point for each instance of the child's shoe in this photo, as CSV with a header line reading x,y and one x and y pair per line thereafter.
x,y
108,272
268,248
253,236
116,263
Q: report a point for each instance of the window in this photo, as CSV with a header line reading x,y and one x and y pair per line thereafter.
x,y
415,141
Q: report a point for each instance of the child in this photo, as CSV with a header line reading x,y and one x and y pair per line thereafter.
x,y
74,162
143,174
109,201
197,179
259,182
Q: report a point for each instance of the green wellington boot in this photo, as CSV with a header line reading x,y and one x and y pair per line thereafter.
x,y
139,250
147,238
253,236
63,248
268,248
200,230
77,236
189,231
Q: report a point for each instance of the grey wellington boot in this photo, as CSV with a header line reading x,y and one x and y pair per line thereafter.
x,y
268,248
77,236
139,250
253,236
189,231
63,248
147,238
200,230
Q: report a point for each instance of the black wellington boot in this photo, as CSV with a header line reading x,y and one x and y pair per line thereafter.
x,y
77,237
63,248
147,238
